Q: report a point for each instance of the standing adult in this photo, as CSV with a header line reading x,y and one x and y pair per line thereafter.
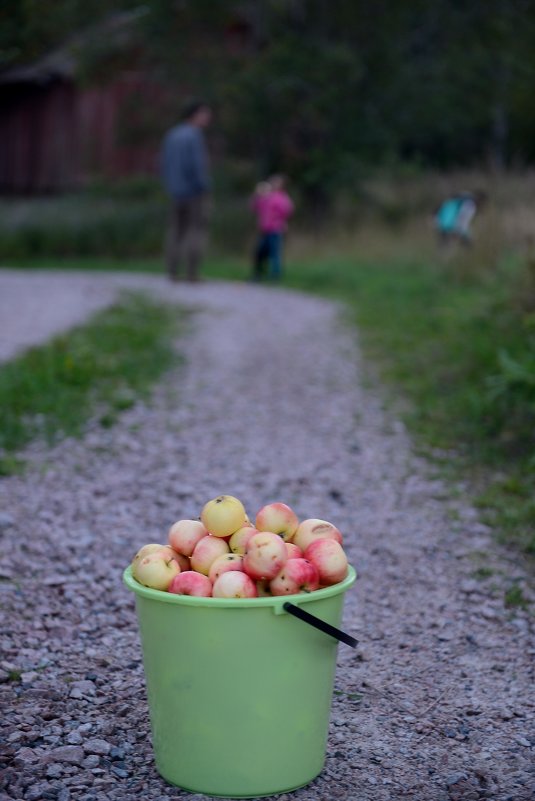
x,y
186,177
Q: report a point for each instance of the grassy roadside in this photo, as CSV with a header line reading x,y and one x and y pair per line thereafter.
x,y
460,347
98,369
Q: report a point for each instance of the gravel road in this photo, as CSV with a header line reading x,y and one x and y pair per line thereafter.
x,y
437,703
38,304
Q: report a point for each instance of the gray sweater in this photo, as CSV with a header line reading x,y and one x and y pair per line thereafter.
x,y
184,162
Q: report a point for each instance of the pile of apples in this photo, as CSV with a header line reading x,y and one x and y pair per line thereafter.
x,y
223,555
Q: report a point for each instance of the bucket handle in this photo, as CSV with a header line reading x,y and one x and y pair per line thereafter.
x,y
320,624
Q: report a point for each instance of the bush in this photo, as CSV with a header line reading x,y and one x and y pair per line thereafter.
x,y
124,221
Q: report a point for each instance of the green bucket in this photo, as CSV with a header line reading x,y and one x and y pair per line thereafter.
x,y
239,690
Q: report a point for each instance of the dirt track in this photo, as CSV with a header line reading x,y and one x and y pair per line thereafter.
x,y
437,703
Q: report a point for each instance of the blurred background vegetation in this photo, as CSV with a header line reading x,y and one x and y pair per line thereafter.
x,y
376,112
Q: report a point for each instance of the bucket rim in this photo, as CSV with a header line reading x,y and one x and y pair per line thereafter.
x,y
275,601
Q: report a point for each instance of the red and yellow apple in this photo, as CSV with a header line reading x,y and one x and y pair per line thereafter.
x,y
223,564
185,534
223,515
293,550
156,570
265,555
191,583
328,556
206,552
234,584
240,538
315,529
277,518
297,575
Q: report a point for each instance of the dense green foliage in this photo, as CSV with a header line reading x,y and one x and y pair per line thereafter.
x,y
321,90
122,221
96,369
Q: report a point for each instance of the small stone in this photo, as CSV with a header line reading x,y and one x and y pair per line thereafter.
x,y
464,730
29,677
64,794
91,761
25,756
6,521
82,689
97,746
54,771
489,613
455,778
524,742
37,791
470,586
75,738
119,772
72,754
117,753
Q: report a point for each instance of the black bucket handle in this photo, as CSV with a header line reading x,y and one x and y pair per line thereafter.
x,y
320,624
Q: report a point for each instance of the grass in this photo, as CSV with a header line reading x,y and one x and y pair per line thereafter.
x,y
514,598
95,370
461,350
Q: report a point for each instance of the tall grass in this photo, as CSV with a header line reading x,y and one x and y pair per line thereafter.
x,y
457,335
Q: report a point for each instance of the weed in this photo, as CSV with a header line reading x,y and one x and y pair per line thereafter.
x,y
483,573
514,598
10,466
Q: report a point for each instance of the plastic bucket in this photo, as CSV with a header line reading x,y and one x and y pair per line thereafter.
x,y
239,691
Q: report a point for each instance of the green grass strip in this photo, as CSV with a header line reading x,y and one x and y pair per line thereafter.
x,y
463,353
96,369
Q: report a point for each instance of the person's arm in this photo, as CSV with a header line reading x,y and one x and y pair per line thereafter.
x,y
285,205
199,170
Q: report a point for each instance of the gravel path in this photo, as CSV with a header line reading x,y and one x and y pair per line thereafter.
x,y
35,305
437,703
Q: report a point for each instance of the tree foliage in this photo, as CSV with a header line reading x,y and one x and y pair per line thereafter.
x,y
321,90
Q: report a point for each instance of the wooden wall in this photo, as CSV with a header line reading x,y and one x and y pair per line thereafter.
x,y
57,136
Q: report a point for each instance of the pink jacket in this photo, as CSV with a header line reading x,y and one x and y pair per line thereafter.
x,y
273,210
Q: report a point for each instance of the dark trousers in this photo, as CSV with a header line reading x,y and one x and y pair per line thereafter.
x,y
186,237
268,249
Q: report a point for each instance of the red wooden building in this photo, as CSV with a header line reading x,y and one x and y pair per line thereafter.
x,y
55,132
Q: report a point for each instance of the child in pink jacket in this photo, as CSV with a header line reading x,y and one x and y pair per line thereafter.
x,y
273,208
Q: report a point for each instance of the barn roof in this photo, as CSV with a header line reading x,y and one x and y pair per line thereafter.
x,y
63,62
